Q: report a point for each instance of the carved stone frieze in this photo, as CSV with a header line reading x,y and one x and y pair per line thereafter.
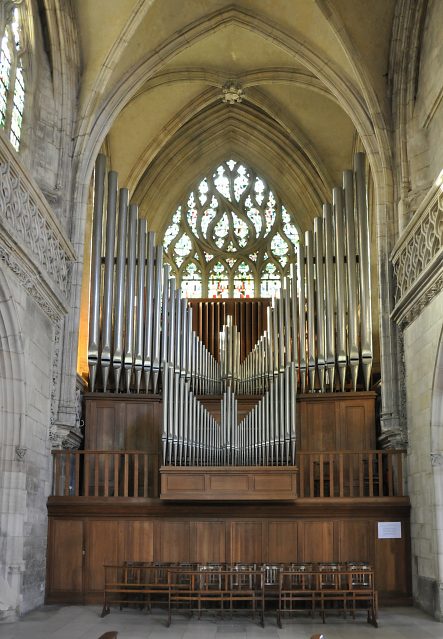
x,y
418,259
29,228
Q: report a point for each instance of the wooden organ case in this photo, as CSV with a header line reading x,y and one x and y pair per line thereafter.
x,y
228,430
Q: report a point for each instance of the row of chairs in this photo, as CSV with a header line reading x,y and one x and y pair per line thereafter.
x,y
311,587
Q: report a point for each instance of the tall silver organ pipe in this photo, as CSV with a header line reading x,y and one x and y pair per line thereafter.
x,y
94,307
108,279
119,295
365,268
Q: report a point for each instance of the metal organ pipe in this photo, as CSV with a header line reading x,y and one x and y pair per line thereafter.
x,y
108,279
94,307
365,268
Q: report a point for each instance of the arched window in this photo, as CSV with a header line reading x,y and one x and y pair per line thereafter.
x,y
12,86
232,237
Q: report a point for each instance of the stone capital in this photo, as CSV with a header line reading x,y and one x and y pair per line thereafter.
x,y
437,459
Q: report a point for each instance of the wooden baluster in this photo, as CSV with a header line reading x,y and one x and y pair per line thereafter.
x,y
67,472
360,475
399,457
341,475
390,483
86,474
301,468
96,471
116,473
145,475
321,476
125,475
371,474
77,458
136,475
106,486
311,477
331,476
380,473
351,474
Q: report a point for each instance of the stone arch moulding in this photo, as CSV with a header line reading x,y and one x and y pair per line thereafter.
x,y
12,452
437,465
12,374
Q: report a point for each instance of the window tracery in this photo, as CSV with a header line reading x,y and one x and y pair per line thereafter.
x,y
12,83
232,237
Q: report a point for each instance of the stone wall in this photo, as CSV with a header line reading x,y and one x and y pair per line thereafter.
x,y
421,342
25,521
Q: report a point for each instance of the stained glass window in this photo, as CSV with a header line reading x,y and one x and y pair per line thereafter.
x,y
12,84
240,235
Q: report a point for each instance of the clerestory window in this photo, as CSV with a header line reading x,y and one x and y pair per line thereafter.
x,y
12,85
232,237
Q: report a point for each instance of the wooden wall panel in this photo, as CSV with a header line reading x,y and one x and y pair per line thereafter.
x,y
356,427
246,541
317,425
355,542
102,547
282,542
316,541
136,541
105,425
392,562
208,541
65,556
172,540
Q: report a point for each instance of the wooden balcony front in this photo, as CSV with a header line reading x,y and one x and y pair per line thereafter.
x,y
133,474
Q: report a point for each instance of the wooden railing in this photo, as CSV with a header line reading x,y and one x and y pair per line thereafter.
x,y
100,473
369,473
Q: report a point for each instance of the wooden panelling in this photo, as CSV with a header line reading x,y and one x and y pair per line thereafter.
x,y
331,536
316,541
136,541
339,421
246,541
282,541
325,422
229,483
65,556
106,418
317,425
208,541
102,547
392,562
355,542
355,430
172,540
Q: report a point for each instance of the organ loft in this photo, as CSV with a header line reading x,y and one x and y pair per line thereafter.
x,y
221,362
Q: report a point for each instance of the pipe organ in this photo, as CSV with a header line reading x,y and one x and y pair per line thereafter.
x,y
317,336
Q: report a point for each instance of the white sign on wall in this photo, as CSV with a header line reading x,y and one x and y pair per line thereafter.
x,y
389,529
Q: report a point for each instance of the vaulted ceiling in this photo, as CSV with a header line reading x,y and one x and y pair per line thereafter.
x,y
312,73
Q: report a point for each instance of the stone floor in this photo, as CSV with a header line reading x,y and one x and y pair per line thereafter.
x,y
84,622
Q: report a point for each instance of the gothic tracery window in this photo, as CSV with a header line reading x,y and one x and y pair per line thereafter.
x,y
12,85
232,237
